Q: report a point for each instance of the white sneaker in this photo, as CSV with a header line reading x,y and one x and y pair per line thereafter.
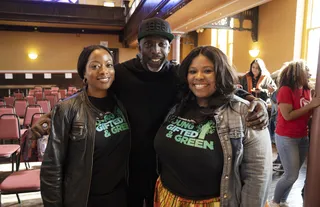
x,y
273,204
284,204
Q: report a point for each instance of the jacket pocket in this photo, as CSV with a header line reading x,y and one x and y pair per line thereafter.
x,y
78,135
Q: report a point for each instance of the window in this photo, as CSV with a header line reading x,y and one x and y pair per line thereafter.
x,y
223,39
313,35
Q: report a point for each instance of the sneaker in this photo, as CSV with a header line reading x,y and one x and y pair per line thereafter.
x,y
276,161
284,204
279,169
273,204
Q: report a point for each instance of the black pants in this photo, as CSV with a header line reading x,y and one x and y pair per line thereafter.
x,y
137,199
117,198
142,180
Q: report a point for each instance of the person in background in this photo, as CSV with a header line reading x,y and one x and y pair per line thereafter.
x,y
85,163
294,109
208,156
258,80
147,86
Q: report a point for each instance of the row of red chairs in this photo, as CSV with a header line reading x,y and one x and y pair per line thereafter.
x,y
20,105
18,181
28,116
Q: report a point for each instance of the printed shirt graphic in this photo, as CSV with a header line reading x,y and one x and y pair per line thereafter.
x,y
299,98
111,124
186,132
191,158
111,152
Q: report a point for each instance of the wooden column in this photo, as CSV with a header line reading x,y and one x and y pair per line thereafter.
x,y
311,196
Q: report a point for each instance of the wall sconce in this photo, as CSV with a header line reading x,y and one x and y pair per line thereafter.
x,y
200,30
254,53
33,55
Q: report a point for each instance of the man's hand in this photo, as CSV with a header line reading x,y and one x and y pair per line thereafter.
x,y
257,117
42,127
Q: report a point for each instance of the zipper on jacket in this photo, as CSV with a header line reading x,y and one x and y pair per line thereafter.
x,y
90,178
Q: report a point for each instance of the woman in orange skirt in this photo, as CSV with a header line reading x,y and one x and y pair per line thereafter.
x,y
207,155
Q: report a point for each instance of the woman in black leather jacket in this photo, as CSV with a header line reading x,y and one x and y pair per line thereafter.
x,y
86,158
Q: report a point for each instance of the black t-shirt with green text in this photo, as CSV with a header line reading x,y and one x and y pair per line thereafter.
x,y
111,150
190,156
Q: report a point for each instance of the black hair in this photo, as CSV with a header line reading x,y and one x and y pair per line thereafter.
x,y
225,76
84,56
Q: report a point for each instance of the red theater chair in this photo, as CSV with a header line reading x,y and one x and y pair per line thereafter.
x,y
10,130
31,109
9,100
45,105
20,106
24,181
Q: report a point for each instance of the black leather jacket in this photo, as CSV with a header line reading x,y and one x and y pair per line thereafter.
x,y
67,165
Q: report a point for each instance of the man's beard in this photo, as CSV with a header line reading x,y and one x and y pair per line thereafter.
x,y
149,67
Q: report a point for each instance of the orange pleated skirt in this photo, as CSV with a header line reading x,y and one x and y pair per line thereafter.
x,y
164,198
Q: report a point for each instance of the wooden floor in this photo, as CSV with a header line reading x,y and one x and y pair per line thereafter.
x,y
295,198
34,199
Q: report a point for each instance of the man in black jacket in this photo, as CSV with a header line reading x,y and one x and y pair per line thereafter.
x,y
147,86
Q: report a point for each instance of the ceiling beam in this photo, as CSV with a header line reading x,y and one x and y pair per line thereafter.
x,y
148,9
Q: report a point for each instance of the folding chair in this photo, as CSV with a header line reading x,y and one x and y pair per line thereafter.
x,y
24,181
31,109
63,93
45,104
20,106
47,92
38,88
9,100
2,102
38,95
31,100
35,118
10,130
18,95
52,99
57,94
7,109
31,92
54,88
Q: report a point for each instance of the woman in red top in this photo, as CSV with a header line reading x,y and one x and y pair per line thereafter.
x,y
294,110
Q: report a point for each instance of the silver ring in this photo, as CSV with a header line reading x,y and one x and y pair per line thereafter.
x,y
44,125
